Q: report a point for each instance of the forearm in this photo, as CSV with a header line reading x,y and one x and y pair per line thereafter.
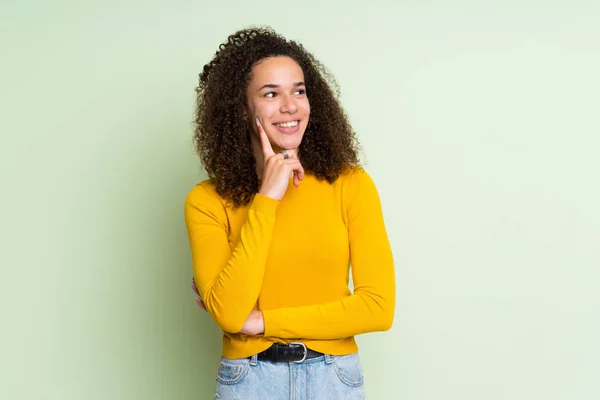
x,y
358,313
371,307
229,281
233,293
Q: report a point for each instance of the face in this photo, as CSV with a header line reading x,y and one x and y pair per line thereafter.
x,y
276,94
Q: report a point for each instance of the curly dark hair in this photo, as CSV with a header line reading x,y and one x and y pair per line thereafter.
x,y
222,133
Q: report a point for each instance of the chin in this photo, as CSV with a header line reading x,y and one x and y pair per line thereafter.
x,y
289,143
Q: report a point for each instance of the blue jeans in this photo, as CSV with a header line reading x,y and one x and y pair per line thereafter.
x,y
321,378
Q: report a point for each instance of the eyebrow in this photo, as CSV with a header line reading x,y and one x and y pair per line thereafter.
x,y
272,86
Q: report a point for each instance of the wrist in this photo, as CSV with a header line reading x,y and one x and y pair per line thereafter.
x,y
268,194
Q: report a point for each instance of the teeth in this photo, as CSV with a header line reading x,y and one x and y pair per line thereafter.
x,y
288,124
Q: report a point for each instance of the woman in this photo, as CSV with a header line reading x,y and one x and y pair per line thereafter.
x,y
274,230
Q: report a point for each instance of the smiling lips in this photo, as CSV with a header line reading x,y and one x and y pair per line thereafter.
x,y
287,124
288,127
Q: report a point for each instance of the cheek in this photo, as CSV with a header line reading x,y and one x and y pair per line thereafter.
x,y
265,110
306,107
251,107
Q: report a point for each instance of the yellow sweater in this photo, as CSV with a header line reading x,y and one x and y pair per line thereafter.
x,y
290,259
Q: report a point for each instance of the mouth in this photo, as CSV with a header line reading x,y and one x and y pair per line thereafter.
x,y
288,124
288,128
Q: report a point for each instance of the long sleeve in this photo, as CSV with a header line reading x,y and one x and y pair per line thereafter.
x,y
371,306
228,281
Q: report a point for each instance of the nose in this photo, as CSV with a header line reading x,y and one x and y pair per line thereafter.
x,y
288,104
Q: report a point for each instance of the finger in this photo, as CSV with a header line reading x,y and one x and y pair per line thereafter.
x,y
275,157
200,303
291,153
195,288
296,166
296,170
279,157
300,173
264,140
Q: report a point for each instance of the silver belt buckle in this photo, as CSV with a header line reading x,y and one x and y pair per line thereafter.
x,y
305,351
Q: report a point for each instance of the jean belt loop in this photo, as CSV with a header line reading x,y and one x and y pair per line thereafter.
x,y
254,360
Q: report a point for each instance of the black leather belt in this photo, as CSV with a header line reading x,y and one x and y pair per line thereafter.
x,y
292,352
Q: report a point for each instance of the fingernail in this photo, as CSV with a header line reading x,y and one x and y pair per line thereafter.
x,y
257,121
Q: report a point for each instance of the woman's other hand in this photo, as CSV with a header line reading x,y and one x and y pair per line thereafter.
x,y
255,323
277,170
198,299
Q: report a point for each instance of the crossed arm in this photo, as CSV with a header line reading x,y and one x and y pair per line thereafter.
x,y
229,281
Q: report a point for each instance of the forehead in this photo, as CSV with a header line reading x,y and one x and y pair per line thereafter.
x,y
276,70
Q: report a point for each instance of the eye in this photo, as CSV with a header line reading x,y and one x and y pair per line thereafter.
x,y
300,92
270,94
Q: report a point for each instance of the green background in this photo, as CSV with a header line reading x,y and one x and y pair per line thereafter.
x,y
479,123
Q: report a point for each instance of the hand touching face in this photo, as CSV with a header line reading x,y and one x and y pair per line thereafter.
x,y
277,168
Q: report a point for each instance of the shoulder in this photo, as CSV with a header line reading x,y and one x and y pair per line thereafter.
x,y
355,178
358,190
204,195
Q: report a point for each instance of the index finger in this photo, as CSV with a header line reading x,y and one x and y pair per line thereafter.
x,y
264,140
